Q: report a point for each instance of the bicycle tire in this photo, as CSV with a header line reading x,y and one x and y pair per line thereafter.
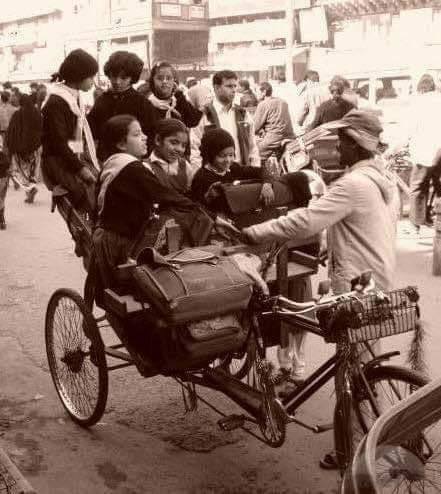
x,y
402,452
76,357
347,436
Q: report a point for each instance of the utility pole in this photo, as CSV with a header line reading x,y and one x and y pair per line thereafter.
x,y
290,26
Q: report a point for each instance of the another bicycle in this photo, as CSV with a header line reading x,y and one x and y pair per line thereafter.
x,y
402,452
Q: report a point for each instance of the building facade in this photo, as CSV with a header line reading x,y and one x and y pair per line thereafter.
x,y
34,40
396,37
29,40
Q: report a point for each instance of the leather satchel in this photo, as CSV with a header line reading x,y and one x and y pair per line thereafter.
x,y
246,209
191,284
243,197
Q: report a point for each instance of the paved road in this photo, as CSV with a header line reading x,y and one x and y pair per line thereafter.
x,y
145,442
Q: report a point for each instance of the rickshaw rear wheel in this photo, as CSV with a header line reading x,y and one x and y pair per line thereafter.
x,y
76,357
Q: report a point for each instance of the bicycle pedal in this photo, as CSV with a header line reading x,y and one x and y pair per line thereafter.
x,y
231,422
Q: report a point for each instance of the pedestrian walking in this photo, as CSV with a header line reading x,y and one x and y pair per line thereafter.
x,y
424,149
4,178
23,141
6,112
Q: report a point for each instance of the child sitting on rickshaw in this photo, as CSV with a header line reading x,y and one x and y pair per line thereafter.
x,y
167,159
69,158
128,188
218,167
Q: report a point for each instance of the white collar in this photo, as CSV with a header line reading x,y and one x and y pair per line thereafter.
x,y
156,158
219,107
211,169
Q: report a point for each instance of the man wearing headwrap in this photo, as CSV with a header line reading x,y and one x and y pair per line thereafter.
x,y
357,210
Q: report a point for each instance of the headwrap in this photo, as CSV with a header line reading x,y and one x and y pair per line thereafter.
x,y
362,126
213,142
199,96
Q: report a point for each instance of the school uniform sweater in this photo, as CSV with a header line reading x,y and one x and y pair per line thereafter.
x,y
128,102
59,126
130,196
205,177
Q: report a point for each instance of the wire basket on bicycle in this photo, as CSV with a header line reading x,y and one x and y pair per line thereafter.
x,y
370,317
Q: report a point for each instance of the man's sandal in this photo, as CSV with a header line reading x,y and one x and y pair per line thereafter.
x,y
329,462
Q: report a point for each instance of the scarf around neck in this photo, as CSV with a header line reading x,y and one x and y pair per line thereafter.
x,y
168,105
112,167
76,105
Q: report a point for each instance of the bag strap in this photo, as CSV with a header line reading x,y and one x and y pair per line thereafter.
x,y
203,256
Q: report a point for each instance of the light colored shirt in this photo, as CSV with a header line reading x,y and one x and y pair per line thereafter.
x,y
172,168
423,134
359,212
227,121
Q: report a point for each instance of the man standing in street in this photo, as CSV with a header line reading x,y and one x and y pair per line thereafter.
x,y
272,122
336,107
222,113
312,95
358,211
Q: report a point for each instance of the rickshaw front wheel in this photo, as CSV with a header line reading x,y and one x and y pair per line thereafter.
x,y
76,357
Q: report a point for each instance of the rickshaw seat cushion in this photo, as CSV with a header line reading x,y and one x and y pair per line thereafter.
x,y
192,285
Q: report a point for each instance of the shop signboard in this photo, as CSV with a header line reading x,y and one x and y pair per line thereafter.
x,y
170,10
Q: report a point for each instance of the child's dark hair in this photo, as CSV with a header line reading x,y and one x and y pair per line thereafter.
x,y
213,142
115,130
156,68
76,67
168,127
124,63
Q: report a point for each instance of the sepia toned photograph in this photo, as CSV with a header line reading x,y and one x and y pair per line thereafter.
x,y
220,246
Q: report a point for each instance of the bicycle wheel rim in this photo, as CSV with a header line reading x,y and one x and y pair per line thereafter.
x,y
405,381
76,361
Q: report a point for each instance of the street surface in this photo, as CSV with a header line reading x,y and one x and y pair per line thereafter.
x,y
145,442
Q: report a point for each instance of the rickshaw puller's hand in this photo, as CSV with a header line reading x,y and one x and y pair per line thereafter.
x,y
246,238
86,175
267,194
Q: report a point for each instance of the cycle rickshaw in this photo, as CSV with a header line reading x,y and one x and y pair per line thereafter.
x,y
78,357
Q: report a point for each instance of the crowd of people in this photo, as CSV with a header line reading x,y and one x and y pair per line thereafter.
x,y
167,146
